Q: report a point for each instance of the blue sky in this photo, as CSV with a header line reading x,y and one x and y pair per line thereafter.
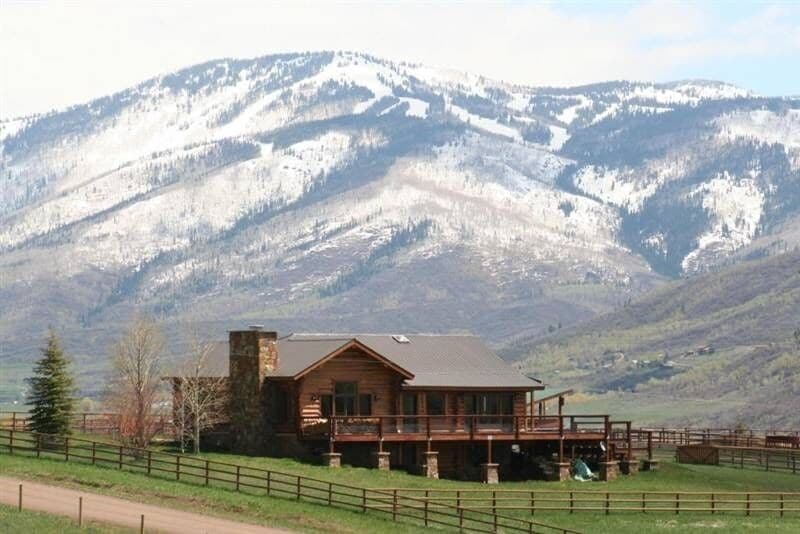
x,y
54,54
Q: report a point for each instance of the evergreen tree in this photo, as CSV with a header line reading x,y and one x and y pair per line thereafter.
x,y
52,387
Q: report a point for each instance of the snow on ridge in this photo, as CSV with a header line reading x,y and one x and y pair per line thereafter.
x,y
762,125
482,123
736,207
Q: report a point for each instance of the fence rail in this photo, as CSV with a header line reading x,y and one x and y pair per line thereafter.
x,y
532,501
765,459
772,438
86,423
259,481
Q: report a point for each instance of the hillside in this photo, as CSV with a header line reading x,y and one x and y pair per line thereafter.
x,y
731,337
339,191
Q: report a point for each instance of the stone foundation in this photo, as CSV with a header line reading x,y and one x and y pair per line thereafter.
x,y
332,459
430,466
490,473
649,465
560,472
629,467
608,471
380,460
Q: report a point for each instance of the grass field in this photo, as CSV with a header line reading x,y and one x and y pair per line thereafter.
x,y
308,517
14,521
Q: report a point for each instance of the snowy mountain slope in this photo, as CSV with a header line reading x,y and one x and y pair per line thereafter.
x,y
294,187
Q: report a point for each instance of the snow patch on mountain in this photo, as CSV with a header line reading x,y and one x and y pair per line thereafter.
x,y
735,206
762,125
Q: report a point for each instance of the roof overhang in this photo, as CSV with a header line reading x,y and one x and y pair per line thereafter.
x,y
469,388
555,394
355,344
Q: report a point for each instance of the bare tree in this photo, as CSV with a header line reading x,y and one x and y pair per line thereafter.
x,y
135,386
200,394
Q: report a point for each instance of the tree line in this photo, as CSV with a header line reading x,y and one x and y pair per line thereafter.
x,y
137,388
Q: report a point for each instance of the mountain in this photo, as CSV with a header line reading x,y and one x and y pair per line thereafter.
x,y
335,190
726,342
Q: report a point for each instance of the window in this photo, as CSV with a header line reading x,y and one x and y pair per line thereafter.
x,y
326,402
434,401
344,398
365,404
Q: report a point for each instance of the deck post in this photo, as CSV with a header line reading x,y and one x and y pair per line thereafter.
x,y
381,458
332,458
430,467
490,470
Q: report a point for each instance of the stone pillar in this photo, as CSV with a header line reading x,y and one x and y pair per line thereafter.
x,y
490,473
629,467
253,354
560,471
381,460
608,471
430,467
649,465
332,459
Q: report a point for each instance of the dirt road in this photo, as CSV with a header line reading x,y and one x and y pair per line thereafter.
x,y
62,501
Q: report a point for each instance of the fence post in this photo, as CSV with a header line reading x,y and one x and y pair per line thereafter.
x,y
83,424
748,504
677,503
298,488
120,457
571,502
206,472
330,494
533,502
781,504
394,503
141,525
13,421
269,480
460,519
713,504
149,461
363,500
11,442
177,467
66,448
20,497
644,502
80,511
237,479
94,452
494,502
426,509
608,503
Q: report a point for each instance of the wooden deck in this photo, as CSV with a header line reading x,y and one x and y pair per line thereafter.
x,y
394,428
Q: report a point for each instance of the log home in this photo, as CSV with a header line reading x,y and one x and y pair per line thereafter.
x,y
426,403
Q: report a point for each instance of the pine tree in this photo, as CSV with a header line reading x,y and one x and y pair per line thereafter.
x,y
52,387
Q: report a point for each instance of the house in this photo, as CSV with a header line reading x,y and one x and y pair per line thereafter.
x,y
427,403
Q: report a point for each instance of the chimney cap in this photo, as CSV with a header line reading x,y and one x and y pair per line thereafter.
x,y
256,327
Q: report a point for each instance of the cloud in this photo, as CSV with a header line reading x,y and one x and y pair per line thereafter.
x,y
56,54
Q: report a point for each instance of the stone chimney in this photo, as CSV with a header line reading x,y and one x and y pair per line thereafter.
x,y
253,356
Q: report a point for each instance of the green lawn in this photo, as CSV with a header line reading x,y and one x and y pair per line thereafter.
x,y
309,517
12,520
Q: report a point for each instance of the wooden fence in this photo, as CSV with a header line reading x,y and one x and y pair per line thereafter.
x,y
246,479
107,423
532,501
765,459
726,436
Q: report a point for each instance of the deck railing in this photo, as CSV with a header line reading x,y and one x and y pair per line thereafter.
x,y
256,481
472,426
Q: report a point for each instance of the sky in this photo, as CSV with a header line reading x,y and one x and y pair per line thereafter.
x,y
56,54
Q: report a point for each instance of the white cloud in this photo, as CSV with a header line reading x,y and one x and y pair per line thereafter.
x,y
55,54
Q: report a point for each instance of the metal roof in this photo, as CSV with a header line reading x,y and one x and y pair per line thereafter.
x,y
439,361
436,361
